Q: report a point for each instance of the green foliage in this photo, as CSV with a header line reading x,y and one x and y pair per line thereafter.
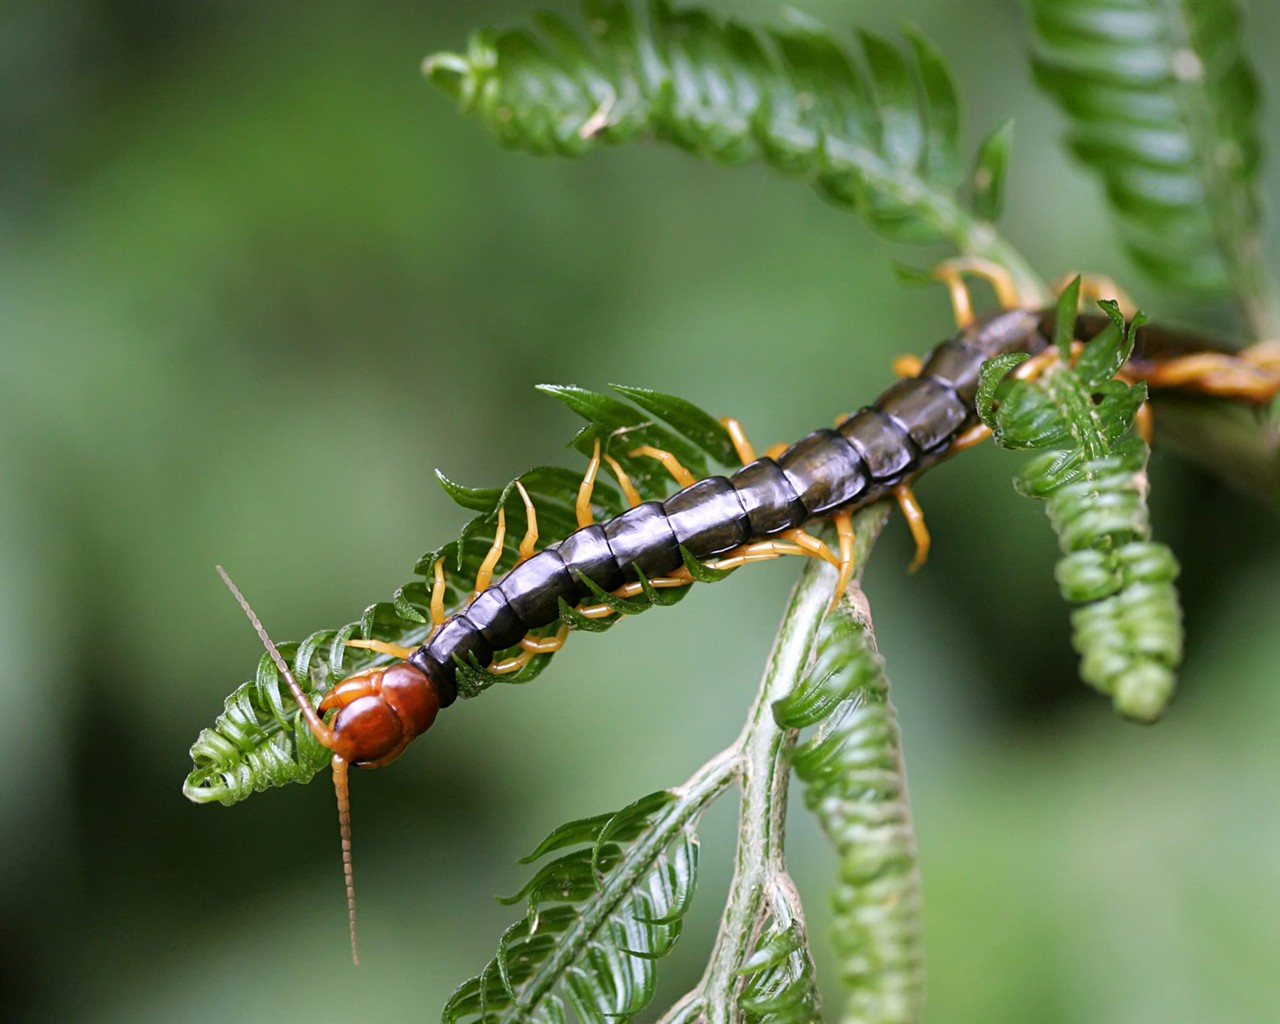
x,y
1128,629
1163,105
779,982
261,740
878,132
599,917
852,771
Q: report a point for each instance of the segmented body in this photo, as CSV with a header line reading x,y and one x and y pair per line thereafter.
x,y
910,427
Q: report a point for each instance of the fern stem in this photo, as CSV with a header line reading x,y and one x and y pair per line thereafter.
x,y
760,880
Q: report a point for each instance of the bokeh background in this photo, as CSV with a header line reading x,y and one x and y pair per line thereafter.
x,y
257,279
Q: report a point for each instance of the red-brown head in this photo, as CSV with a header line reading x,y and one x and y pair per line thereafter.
x,y
379,711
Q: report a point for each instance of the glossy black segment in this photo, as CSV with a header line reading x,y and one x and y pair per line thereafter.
x,y
885,447
825,470
908,428
457,638
1010,330
929,412
443,677
642,538
768,498
492,614
534,588
707,518
587,554
957,367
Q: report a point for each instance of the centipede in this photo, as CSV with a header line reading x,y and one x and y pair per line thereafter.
x,y
766,509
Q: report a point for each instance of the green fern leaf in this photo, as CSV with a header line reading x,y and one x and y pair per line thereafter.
x,y
260,740
852,771
1127,629
599,917
1163,105
878,133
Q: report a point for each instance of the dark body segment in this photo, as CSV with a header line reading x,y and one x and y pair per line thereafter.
x,y
492,614
930,412
587,556
885,446
910,427
535,587
826,471
771,503
707,517
642,537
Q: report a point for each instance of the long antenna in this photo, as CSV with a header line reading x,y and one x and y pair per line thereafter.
x,y
325,735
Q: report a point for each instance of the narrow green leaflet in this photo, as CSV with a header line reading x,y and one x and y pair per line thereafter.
x,y
1163,106
1128,626
599,917
260,740
854,783
877,131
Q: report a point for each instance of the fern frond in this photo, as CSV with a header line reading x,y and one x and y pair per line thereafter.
x,y
779,979
1128,629
599,916
1163,105
260,740
878,133
854,783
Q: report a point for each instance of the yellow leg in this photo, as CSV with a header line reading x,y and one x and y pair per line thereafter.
x,y
844,531
759,551
908,366
915,519
531,646
583,506
395,650
776,450
484,575
624,481
437,595
974,435
746,451
951,273
526,549
672,465
1253,375
810,544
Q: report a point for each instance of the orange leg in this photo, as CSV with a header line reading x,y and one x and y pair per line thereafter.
x,y
583,505
951,273
1253,375
844,531
759,551
437,595
484,575
915,519
810,544
526,549
745,449
382,647
908,366
624,481
976,434
776,450
672,465
531,646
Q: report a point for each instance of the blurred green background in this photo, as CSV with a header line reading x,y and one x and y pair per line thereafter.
x,y
257,279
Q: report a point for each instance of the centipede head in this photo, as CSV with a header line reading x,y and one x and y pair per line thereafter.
x,y
379,711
